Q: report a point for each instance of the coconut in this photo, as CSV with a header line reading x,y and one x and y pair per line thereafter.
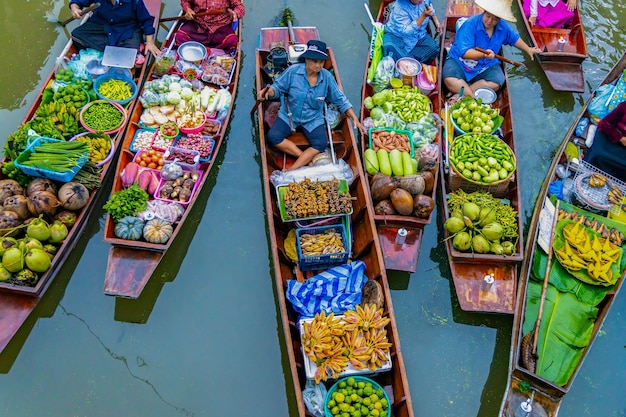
x,y
471,210
454,225
462,241
487,215
29,243
28,277
5,275
37,260
493,231
402,201
58,232
509,247
39,230
497,248
6,243
480,244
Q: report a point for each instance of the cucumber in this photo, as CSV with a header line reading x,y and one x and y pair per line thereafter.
x,y
371,161
383,162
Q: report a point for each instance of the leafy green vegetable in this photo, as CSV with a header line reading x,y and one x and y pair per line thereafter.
x,y
127,202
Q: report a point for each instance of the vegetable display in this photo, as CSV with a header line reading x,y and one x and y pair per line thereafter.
x,y
481,158
102,116
126,202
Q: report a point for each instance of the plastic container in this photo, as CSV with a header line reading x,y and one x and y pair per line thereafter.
x,y
375,385
44,173
425,86
85,110
139,133
189,154
159,143
406,133
139,155
115,76
324,261
205,154
170,137
194,190
111,149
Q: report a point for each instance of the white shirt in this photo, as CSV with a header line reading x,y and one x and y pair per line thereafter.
x,y
542,3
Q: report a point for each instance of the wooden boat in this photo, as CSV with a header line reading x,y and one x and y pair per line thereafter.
x,y
365,245
132,263
400,257
471,272
561,61
524,385
17,302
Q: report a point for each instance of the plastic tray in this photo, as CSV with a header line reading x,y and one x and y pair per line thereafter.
x,y
194,190
195,155
44,173
210,140
138,156
281,190
149,145
324,261
349,370
407,133
209,78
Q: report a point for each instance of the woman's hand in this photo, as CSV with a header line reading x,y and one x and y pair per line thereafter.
x,y
532,20
189,14
265,93
232,14
571,5
151,46
623,140
76,11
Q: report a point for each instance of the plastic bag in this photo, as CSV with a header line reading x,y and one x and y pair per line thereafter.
x,y
384,73
314,396
161,210
599,106
341,170
424,130
333,115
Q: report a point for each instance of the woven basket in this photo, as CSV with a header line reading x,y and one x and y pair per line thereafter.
x,y
497,189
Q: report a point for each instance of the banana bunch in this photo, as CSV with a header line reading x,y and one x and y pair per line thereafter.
x,y
615,236
321,243
596,255
597,180
358,339
615,195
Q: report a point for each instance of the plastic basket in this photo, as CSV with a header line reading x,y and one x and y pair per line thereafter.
x,y
194,190
323,261
375,385
595,198
111,149
44,173
115,76
135,147
407,133
139,154
209,141
187,153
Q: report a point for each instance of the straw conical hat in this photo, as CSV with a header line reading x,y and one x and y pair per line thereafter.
x,y
500,8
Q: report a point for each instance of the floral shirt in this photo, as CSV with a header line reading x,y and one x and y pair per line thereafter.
x,y
306,103
214,22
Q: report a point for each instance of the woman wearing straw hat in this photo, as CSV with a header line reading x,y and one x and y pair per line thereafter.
x,y
467,68
304,88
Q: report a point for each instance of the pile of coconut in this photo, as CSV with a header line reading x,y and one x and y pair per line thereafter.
x,y
33,224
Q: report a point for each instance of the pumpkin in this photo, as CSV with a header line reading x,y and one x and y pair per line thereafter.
x,y
129,228
157,231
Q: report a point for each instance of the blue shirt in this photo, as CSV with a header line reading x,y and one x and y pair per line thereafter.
x,y
472,34
120,19
306,103
403,22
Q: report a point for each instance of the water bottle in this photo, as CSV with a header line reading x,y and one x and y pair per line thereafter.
x,y
221,115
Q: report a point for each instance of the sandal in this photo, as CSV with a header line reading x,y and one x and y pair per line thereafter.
x,y
451,100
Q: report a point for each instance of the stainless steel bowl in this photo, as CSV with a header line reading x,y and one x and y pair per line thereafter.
x,y
487,95
193,52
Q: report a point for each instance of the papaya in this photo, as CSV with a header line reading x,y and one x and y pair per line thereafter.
x,y
383,162
407,164
371,161
381,187
395,159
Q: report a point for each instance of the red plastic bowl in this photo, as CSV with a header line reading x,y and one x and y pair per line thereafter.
x,y
196,129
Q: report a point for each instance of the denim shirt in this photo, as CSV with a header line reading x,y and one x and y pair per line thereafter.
x,y
472,34
306,103
120,19
402,22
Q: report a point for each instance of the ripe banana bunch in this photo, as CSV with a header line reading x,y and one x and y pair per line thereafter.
x,y
321,243
597,180
365,318
615,195
596,255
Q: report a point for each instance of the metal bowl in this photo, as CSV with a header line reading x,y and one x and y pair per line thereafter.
x,y
487,95
193,52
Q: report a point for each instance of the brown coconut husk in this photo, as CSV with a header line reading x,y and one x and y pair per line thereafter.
x,y
372,293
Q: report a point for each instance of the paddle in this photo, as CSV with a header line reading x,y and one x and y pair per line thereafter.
x,y
182,16
501,58
329,132
83,12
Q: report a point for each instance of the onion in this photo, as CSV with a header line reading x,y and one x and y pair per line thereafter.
x,y
73,195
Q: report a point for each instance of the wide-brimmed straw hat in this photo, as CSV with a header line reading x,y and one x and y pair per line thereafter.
x,y
500,8
315,50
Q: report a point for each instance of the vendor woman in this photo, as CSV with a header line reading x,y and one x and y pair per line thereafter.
x,y
608,151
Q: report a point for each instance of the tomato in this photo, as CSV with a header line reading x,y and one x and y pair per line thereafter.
x,y
155,158
152,165
143,163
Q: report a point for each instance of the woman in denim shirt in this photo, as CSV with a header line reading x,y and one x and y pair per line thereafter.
x,y
304,88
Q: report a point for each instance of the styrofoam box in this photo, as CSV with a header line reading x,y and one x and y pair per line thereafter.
x,y
310,367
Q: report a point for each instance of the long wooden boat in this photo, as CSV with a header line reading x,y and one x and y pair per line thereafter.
x,y
525,385
132,263
17,302
472,272
563,51
365,246
400,257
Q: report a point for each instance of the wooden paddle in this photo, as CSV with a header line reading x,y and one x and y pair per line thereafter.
x,y
83,12
501,58
182,16
544,289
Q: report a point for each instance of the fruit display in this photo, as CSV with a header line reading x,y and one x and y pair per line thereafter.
x,y
99,145
71,93
615,236
355,342
481,224
314,244
392,162
308,198
471,116
403,195
408,104
150,159
481,158
357,396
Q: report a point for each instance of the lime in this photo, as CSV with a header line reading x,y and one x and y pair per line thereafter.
x,y
395,83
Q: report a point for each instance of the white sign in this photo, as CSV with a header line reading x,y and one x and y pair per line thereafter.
x,y
546,219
